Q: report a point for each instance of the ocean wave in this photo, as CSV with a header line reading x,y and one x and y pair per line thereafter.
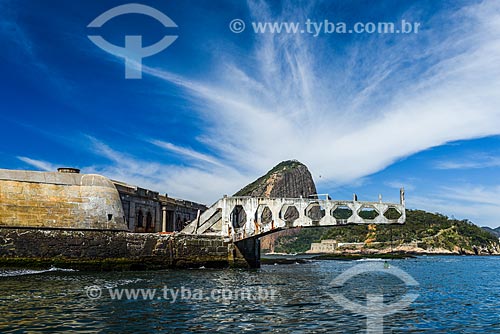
x,y
370,259
22,272
121,282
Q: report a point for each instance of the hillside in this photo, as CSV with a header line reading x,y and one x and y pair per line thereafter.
x,y
494,231
427,232
289,178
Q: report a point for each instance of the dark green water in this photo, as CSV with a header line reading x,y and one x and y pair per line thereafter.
x,y
455,295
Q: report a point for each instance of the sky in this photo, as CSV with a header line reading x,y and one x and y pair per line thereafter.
x,y
368,113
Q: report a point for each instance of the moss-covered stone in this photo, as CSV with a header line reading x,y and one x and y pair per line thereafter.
x,y
107,250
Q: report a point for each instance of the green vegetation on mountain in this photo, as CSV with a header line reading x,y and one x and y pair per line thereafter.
x,y
423,230
494,231
427,230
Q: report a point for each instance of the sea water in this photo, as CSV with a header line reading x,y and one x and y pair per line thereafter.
x,y
454,294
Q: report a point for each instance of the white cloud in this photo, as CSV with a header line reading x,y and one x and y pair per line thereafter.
x,y
408,185
485,195
474,161
186,152
41,165
348,113
193,183
348,123
477,203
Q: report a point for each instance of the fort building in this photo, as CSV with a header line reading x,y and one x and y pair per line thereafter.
x,y
88,222
325,246
69,200
148,211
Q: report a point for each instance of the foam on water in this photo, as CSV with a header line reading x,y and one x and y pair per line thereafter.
x,y
22,272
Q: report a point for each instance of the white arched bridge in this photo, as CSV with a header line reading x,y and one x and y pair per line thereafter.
x,y
241,221
239,218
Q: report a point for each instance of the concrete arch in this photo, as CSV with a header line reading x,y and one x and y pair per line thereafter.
x,y
238,217
289,214
315,212
368,212
263,215
392,213
342,213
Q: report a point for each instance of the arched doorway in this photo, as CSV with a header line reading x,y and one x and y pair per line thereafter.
x,y
140,219
149,222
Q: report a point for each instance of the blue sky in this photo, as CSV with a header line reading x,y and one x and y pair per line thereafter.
x,y
368,113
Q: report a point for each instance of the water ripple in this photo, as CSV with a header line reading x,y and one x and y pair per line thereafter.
x,y
456,294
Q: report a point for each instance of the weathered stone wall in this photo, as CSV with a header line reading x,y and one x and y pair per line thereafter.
x,y
141,207
145,209
325,246
59,200
109,250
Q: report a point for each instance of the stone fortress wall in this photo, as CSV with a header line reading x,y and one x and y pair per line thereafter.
x,y
73,220
64,200
69,200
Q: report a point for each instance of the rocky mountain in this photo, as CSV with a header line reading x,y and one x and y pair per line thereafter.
x,y
287,179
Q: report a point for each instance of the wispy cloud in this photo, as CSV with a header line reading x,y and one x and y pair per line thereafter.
x,y
186,152
26,51
39,164
479,214
487,195
397,184
194,183
474,161
9,26
465,201
346,123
